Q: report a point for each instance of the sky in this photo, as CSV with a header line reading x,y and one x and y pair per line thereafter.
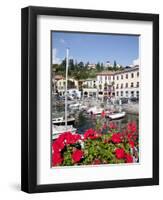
x,y
95,48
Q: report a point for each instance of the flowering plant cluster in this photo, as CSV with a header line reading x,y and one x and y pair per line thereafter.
x,y
102,146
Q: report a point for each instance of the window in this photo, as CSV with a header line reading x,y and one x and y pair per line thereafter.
x,y
132,75
126,85
90,94
117,77
126,93
137,74
122,85
121,93
126,76
121,76
117,94
132,93
113,78
132,84
137,85
105,78
85,93
117,86
137,94
94,94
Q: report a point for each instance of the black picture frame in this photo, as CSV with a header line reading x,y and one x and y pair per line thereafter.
x,y
29,99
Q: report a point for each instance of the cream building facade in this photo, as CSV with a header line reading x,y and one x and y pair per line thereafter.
x,y
119,84
126,83
105,84
89,87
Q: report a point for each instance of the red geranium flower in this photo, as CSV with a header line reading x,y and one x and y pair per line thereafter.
x,y
112,125
129,136
77,155
91,134
56,159
119,152
135,137
103,114
68,138
58,146
131,127
116,138
131,143
129,158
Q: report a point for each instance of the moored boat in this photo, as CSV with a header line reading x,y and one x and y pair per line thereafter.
x,y
95,110
75,106
61,120
116,115
58,130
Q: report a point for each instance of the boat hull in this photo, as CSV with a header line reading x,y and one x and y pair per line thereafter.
x,y
69,122
116,116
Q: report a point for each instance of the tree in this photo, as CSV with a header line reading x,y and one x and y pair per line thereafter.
x,y
63,63
71,67
102,66
55,67
115,66
110,68
71,64
98,66
81,64
87,64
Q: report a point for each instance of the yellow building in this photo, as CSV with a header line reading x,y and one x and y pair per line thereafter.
x,y
60,84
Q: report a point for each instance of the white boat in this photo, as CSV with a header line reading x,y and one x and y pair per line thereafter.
x,y
75,105
78,106
83,107
95,111
61,120
58,130
117,115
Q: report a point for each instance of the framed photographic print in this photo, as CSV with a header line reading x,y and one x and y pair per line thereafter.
x,y
90,99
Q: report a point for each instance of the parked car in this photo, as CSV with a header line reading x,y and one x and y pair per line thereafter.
x,y
124,100
134,99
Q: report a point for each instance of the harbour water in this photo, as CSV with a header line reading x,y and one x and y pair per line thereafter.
x,y
84,121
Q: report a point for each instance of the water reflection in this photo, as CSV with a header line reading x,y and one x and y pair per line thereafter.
x,y
85,121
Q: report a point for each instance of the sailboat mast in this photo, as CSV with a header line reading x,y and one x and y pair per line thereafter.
x,y
67,60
